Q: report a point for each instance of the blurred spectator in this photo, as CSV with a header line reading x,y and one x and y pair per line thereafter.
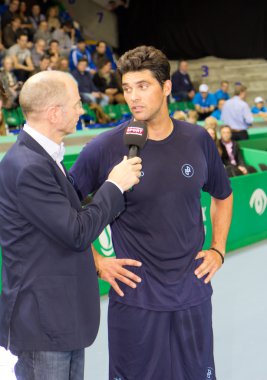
x,y
88,90
63,65
43,32
25,20
222,93
11,32
236,112
53,18
36,16
10,13
231,154
204,102
259,109
10,83
21,56
237,86
54,62
211,122
3,126
65,36
81,51
100,53
38,51
107,82
217,113
192,117
179,115
213,134
182,87
44,64
54,49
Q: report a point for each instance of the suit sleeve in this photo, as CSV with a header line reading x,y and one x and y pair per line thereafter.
x,y
43,203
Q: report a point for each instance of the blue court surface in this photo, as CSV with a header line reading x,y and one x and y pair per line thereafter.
x,y
239,315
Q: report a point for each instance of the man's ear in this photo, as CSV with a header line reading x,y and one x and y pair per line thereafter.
x,y
167,87
53,113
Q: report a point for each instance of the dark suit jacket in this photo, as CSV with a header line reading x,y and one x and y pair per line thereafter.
x,y
50,297
237,154
181,83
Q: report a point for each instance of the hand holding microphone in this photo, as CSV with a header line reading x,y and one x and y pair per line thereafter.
x,y
127,173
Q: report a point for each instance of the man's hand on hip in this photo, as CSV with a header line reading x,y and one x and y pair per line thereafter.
x,y
211,263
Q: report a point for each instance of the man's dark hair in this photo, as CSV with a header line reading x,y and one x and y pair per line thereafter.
x,y
226,126
240,89
52,41
145,58
83,60
44,57
103,63
21,34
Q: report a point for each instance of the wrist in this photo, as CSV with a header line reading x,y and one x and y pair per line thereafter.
x,y
220,253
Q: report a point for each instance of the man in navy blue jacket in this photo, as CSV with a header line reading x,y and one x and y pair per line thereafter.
x,y
49,307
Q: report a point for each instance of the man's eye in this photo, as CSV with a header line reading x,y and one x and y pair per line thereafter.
x,y
126,89
143,86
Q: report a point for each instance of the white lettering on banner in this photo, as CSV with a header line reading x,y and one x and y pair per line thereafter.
x,y
258,201
134,131
105,242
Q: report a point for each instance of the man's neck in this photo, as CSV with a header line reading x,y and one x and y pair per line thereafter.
x,y
159,128
46,131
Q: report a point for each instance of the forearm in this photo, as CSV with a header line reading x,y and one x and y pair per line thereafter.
x,y
221,215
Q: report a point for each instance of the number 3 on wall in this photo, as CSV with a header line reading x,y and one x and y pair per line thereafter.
x,y
205,70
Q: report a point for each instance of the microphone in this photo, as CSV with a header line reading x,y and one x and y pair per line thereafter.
x,y
135,136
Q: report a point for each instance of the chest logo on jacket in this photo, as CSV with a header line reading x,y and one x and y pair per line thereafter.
x,y
188,170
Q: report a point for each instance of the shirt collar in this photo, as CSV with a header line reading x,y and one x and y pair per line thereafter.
x,y
54,150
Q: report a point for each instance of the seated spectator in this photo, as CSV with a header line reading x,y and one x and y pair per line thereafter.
x,y
36,16
222,93
213,134
87,89
192,117
11,32
65,37
54,62
204,102
231,154
38,51
54,49
217,113
179,115
259,109
107,82
81,51
10,83
21,56
100,53
63,65
236,112
44,64
53,18
211,122
10,13
182,87
43,32
26,24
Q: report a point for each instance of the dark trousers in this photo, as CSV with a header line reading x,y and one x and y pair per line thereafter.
x,y
233,171
50,365
240,135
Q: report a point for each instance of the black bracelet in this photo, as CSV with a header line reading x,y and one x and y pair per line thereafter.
x,y
216,250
